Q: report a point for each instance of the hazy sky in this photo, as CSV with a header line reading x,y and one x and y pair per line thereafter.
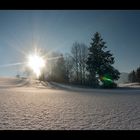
x,y
58,29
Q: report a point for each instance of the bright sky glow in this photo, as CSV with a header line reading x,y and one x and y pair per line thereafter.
x,y
36,63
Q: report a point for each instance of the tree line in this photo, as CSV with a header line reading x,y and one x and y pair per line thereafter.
x,y
134,76
86,66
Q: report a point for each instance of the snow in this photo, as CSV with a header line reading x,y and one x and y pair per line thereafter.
x,y
133,85
41,106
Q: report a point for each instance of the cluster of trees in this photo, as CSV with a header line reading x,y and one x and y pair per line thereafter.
x,y
134,76
84,65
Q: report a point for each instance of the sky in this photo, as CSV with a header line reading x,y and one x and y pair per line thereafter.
x,y
57,30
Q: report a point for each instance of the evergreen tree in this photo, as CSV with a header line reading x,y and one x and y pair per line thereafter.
x,y
99,63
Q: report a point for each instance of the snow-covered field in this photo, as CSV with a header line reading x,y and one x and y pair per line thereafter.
x,y
133,85
30,105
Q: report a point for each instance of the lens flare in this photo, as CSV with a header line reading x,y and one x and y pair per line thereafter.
x,y
106,79
36,63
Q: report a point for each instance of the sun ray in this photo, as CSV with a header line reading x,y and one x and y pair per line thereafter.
x,y
53,58
13,64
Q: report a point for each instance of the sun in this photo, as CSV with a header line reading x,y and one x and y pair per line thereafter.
x,y
36,63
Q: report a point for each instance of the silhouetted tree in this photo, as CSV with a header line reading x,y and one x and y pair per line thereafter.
x,y
79,54
99,63
132,76
60,74
68,66
52,65
138,75
74,52
83,53
42,76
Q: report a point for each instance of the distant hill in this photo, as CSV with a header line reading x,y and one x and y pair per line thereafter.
x,y
123,78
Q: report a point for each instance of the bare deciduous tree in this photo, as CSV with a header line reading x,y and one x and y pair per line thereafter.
x,y
79,54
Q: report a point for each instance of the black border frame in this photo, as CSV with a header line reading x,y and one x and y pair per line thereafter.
x,y
71,5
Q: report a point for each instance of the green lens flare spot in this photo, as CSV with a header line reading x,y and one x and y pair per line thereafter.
x,y
106,79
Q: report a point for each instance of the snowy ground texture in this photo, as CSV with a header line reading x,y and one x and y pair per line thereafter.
x,y
28,105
